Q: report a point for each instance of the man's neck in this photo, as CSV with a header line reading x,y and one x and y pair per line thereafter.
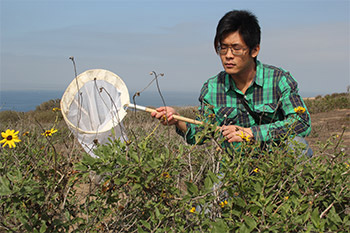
x,y
244,79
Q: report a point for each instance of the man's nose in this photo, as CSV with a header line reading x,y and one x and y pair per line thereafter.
x,y
229,53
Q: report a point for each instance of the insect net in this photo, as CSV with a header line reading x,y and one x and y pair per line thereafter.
x,y
93,108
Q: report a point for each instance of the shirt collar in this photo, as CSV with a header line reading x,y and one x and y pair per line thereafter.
x,y
258,79
259,76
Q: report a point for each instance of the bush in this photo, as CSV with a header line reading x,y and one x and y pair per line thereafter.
x,y
48,105
328,102
10,117
155,182
147,186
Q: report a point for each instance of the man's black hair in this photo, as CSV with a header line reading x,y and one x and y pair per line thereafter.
x,y
245,22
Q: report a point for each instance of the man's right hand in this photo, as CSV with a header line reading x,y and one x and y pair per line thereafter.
x,y
164,114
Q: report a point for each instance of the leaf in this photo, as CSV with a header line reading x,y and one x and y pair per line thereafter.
x,y
250,222
334,216
214,178
43,227
257,187
139,229
315,218
239,201
219,226
80,167
244,229
236,212
146,224
254,210
88,159
157,212
4,186
208,184
191,188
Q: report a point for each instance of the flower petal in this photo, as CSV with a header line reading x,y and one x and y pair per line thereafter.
x,y
3,134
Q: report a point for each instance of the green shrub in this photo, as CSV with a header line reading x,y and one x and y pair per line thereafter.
x,y
147,186
157,183
10,117
328,102
48,105
44,116
36,193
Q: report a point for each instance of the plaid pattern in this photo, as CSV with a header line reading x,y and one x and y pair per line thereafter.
x,y
273,93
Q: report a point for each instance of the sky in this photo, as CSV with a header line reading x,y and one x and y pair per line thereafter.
x,y
309,38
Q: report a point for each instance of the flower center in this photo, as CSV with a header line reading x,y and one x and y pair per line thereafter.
x,y
9,138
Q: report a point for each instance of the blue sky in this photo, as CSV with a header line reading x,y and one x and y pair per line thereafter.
x,y
309,38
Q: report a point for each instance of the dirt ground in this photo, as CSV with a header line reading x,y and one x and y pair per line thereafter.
x,y
331,124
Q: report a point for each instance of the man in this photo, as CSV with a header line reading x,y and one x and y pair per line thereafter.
x,y
250,100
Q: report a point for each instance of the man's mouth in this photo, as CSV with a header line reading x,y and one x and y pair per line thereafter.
x,y
229,65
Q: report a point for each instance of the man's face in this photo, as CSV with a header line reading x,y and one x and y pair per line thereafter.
x,y
236,64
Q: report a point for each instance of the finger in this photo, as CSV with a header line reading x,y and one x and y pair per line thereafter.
x,y
159,115
226,131
234,139
160,109
171,116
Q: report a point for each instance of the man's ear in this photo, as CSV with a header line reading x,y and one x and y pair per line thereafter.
x,y
254,53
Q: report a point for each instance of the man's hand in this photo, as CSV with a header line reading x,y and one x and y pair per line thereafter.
x,y
234,133
164,114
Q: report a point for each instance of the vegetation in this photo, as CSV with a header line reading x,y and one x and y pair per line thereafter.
x,y
328,102
155,182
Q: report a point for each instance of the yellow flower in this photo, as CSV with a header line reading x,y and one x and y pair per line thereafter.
x,y
25,133
10,137
347,165
223,203
193,210
244,136
256,170
56,109
286,198
165,174
48,133
299,110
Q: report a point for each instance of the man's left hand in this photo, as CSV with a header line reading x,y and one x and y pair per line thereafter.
x,y
234,133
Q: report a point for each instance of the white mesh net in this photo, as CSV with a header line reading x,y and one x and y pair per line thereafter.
x,y
93,108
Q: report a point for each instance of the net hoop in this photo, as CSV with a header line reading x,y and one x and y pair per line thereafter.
x,y
91,75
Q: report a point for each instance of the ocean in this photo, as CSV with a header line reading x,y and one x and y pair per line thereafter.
x,y
24,101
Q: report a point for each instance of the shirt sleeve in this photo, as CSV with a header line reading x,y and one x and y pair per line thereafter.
x,y
293,123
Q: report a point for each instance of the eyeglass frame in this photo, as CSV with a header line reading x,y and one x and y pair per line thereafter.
x,y
233,50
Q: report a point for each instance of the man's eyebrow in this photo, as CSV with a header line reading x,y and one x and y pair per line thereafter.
x,y
235,44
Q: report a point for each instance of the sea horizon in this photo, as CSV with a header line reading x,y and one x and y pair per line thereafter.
x,y
28,100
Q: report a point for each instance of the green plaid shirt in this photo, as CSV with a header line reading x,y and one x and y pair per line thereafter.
x,y
273,93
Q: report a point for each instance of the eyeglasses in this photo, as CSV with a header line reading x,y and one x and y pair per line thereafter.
x,y
236,50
